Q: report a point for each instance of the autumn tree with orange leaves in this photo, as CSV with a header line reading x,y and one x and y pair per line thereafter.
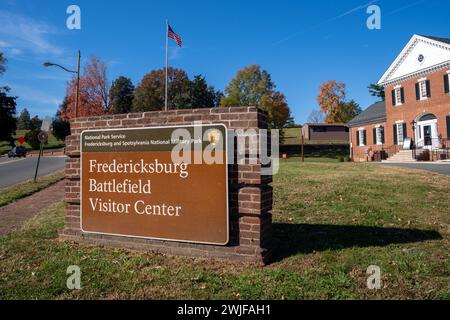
x,y
93,97
333,104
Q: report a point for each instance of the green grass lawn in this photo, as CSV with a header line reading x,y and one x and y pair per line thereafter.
x,y
331,222
53,142
11,194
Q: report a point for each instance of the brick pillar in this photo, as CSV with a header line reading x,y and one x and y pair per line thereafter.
x,y
250,195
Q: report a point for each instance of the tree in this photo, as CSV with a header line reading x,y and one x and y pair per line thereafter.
x,y
94,91
248,87
254,87
7,115
150,93
2,63
348,110
31,137
277,109
377,90
61,128
332,94
35,123
315,117
201,95
333,104
24,120
121,95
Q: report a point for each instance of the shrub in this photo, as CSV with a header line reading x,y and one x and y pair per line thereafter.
x,y
32,139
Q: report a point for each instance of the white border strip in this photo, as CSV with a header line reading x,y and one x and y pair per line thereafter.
x,y
154,238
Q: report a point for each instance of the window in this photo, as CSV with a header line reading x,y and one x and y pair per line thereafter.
x,y
423,90
399,133
448,126
398,96
361,137
447,83
320,129
379,132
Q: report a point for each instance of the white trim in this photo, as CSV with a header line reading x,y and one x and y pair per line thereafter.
x,y
377,129
154,238
400,121
423,82
416,74
422,79
398,96
400,125
385,81
361,137
448,71
397,87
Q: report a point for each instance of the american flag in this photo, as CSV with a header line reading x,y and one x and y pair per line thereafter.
x,y
174,36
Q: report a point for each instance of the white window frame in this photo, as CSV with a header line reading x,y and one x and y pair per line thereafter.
x,y
423,89
398,96
378,135
400,130
361,137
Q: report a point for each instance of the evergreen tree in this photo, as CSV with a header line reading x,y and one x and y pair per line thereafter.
x,y
7,116
24,120
60,127
121,95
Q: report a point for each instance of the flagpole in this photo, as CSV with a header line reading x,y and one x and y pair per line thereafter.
x,y
167,61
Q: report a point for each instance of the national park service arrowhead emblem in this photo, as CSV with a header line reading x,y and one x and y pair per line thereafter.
x,y
214,136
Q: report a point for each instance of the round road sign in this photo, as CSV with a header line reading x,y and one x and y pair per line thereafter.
x,y
43,136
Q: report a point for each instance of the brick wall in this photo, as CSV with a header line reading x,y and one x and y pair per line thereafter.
x,y
250,195
360,153
438,104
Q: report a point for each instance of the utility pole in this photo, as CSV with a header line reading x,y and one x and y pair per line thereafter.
x,y
303,148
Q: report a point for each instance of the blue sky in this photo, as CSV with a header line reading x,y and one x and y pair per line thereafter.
x,y
301,43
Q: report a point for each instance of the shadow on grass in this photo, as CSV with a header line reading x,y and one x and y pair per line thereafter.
x,y
291,239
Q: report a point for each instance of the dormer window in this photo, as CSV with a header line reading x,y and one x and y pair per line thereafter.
x,y
398,96
423,90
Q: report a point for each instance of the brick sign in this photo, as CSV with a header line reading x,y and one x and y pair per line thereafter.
x,y
131,185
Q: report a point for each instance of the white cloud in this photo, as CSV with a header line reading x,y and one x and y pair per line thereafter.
x,y
25,35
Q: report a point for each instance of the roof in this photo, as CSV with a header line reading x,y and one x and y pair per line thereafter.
x,y
405,65
444,40
325,124
373,114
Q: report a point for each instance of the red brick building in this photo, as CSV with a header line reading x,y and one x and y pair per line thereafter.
x,y
416,115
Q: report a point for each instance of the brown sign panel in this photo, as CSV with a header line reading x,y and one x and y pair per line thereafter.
x,y
131,185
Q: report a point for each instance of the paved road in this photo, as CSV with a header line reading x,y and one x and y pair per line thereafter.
x,y
442,168
13,171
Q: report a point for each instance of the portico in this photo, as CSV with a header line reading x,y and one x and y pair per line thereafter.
x,y
426,132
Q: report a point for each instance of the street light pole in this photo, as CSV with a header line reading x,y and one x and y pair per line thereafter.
x,y
78,85
77,72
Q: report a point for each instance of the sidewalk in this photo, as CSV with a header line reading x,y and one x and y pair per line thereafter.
x,y
15,214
